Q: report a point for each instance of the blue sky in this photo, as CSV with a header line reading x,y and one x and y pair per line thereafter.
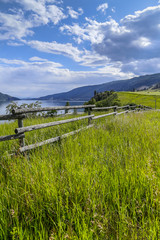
x,y
51,46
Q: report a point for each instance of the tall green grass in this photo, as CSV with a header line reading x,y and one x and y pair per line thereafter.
x,y
99,184
140,98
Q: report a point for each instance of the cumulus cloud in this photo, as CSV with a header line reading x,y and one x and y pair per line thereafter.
x,y
90,31
135,37
73,13
140,40
44,10
102,7
16,24
55,14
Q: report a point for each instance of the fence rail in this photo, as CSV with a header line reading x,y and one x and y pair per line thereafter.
x,y
32,110
51,124
11,117
11,137
52,140
104,115
19,114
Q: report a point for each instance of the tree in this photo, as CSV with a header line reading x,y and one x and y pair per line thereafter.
x,y
14,105
104,99
95,93
11,106
67,104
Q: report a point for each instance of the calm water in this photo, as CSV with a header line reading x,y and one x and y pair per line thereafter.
x,y
44,103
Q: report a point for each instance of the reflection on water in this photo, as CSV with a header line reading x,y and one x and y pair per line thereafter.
x,y
44,103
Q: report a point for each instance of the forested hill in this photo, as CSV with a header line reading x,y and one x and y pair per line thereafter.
x,y
86,92
5,97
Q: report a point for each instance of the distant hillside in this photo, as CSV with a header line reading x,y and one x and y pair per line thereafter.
x,y
86,92
5,97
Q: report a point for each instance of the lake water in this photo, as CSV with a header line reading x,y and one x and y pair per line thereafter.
x,y
44,103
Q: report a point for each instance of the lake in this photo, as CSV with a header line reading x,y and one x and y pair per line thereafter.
x,y
44,103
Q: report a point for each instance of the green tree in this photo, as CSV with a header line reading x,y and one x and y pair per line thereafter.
x,y
67,104
95,93
104,99
14,105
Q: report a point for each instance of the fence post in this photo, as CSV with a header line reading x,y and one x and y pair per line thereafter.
x,y
21,140
115,110
155,103
89,113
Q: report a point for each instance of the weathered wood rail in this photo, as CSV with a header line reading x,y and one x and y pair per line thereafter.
x,y
20,122
52,140
11,117
44,109
20,114
51,124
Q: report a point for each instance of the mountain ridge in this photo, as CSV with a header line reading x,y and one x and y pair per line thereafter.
x,y
6,97
86,92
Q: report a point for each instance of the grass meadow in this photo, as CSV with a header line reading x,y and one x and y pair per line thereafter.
x,y
102,183
143,98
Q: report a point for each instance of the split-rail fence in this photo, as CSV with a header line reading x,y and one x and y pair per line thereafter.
x,y
20,114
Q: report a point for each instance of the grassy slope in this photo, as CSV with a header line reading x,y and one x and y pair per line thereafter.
x,y
143,98
154,92
100,184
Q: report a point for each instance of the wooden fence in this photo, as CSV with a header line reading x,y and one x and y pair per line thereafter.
x,y
20,114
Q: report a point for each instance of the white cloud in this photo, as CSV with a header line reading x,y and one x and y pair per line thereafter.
x,y
83,57
102,7
139,15
15,44
92,59
38,77
90,31
57,48
34,59
142,42
135,37
141,67
94,31
55,14
34,62
113,10
44,11
73,13
11,62
16,24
